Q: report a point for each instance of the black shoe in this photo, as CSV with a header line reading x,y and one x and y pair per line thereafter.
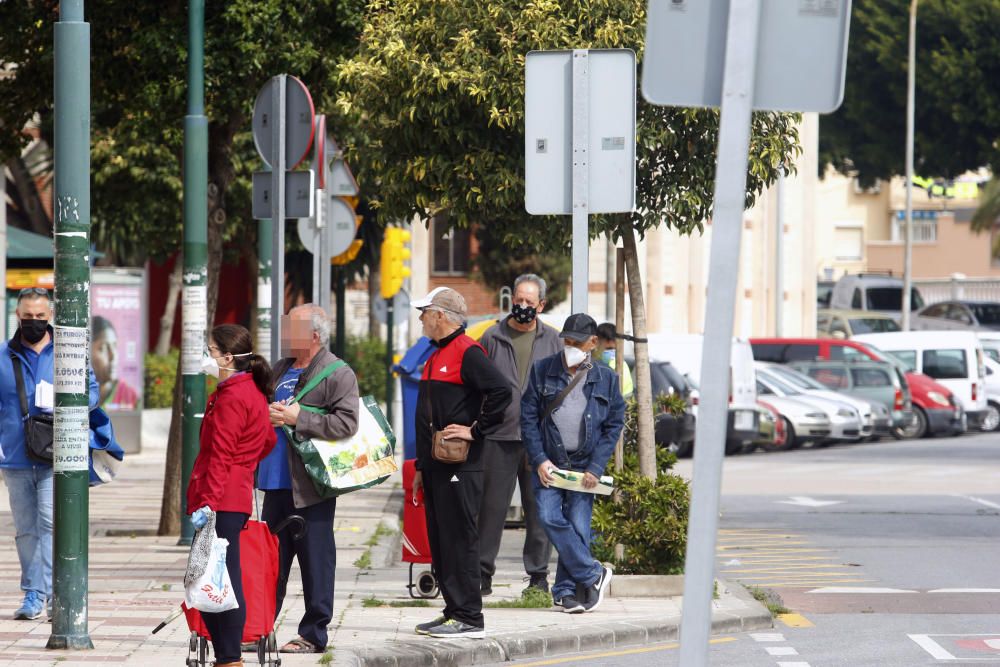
x,y
454,628
571,605
539,581
485,585
595,593
425,628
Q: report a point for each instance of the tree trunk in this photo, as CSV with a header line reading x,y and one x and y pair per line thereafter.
x,y
170,507
643,388
170,311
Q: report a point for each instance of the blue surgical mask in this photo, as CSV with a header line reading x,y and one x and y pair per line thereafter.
x,y
607,356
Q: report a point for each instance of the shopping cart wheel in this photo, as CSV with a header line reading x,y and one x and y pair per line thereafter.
x,y
427,585
262,650
202,652
193,643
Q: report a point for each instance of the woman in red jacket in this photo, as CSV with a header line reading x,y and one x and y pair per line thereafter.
x,y
236,434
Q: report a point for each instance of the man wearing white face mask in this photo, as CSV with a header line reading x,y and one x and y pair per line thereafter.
x,y
571,416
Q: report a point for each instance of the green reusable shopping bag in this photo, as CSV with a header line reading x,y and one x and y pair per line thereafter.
x,y
360,461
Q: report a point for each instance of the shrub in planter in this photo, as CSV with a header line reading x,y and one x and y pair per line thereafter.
x,y
366,357
648,518
161,371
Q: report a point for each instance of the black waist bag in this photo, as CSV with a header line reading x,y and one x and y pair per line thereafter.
x,y
37,428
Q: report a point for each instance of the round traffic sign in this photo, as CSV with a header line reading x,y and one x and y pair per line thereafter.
x,y
299,120
338,217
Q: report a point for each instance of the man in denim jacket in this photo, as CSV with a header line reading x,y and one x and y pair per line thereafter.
x,y
578,434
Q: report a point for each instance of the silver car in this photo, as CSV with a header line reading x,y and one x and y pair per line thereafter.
x,y
875,417
846,422
803,422
958,315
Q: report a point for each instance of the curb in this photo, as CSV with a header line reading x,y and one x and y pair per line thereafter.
x,y
538,644
386,552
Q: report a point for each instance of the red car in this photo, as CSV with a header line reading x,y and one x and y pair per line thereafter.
x,y
935,408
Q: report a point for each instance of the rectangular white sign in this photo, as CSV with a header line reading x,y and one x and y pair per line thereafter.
x,y
548,132
71,439
194,309
70,362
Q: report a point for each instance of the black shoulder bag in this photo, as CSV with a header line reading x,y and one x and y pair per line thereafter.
x,y
557,401
37,428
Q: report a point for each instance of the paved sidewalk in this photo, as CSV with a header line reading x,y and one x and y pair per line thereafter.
x,y
135,583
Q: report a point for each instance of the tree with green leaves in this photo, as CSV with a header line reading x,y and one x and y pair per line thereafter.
x,y
138,92
957,110
437,92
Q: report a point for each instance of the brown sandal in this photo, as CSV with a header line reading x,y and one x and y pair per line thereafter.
x,y
300,645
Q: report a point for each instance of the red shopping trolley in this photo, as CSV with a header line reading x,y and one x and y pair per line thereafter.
x,y
259,570
416,546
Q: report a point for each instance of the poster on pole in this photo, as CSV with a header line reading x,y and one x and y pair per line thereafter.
x,y
117,342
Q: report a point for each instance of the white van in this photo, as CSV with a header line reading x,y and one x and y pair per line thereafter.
x,y
873,291
953,358
683,351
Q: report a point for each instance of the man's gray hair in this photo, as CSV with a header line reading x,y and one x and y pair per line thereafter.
x,y
532,278
454,318
319,320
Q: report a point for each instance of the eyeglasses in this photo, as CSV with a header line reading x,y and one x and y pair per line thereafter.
x,y
33,291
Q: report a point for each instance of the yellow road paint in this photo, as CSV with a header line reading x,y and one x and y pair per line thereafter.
x,y
765,570
795,620
801,584
611,654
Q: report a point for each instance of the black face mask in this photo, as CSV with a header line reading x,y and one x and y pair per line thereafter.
x,y
523,314
34,330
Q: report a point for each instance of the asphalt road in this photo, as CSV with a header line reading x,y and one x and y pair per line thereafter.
x,y
887,554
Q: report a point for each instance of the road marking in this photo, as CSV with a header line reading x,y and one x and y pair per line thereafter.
x,y
781,650
767,636
860,589
793,664
795,620
811,566
610,654
981,501
806,501
965,590
936,650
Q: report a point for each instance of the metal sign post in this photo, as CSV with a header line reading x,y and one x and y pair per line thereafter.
x,y
799,65
579,142
278,212
723,276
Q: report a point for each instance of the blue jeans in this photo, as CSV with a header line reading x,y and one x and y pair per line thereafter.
x,y
565,515
30,492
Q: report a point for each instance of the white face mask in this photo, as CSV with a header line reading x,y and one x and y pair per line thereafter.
x,y
574,356
210,365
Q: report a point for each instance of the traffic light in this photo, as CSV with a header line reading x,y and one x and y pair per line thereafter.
x,y
395,256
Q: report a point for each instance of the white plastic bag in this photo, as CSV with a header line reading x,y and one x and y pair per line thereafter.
x,y
213,592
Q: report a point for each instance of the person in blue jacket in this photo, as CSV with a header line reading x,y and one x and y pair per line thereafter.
x,y
571,416
29,484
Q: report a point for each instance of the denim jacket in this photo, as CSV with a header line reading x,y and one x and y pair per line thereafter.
x,y
604,417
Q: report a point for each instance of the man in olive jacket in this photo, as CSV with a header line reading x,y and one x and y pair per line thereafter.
x,y
287,486
515,344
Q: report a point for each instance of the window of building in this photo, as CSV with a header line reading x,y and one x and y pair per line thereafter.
x,y
450,249
848,242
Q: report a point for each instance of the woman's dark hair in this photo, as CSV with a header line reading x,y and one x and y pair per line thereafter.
x,y
235,340
99,325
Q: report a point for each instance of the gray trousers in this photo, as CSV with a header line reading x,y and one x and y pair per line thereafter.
x,y
504,463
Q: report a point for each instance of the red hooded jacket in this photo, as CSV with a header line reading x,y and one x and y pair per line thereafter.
x,y
236,434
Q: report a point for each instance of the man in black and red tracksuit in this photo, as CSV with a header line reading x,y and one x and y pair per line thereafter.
x,y
463,395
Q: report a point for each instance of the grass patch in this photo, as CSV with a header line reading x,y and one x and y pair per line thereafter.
x,y
380,531
769,599
364,561
327,658
372,601
531,598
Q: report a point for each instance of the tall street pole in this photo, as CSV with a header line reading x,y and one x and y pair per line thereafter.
x,y
911,78
265,242
3,244
71,440
195,301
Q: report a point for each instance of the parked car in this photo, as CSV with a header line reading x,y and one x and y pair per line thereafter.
x,y
936,410
960,315
846,422
802,421
952,358
671,432
846,323
683,351
877,381
824,290
771,419
991,420
990,340
873,291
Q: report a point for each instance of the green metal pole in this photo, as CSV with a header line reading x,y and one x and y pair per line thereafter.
x,y
340,285
389,393
71,495
195,300
265,244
